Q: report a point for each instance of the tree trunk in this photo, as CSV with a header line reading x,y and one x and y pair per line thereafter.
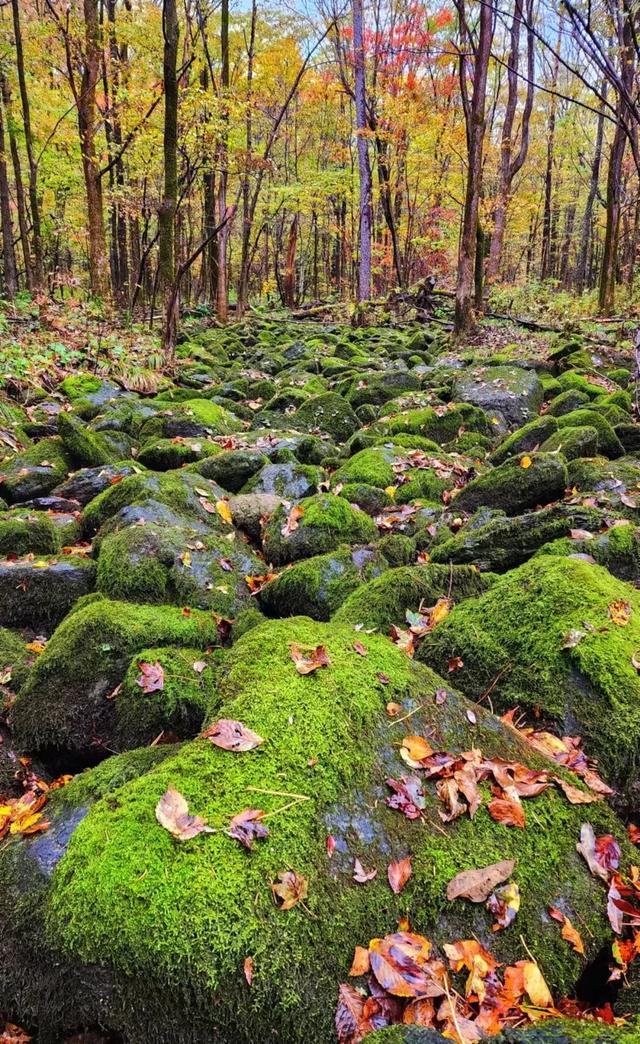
x,y
289,281
364,168
475,126
10,270
167,209
17,177
87,111
587,218
222,296
547,256
38,268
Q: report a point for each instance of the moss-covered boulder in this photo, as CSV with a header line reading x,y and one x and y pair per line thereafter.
x,y
131,913
567,401
85,484
520,483
189,419
325,522
22,532
511,393
34,472
168,454
502,543
412,474
378,388
37,591
89,393
608,442
384,601
317,586
183,492
530,437
328,413
175,707
233,468
549,1031
573,442
15,659
65,705
441,423
617,548
545,636
371,499
289,480
84,447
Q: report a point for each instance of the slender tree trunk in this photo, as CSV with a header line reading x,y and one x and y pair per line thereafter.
x,y
587,218
547,256
167,209
222,296
34,203
475,126
17,178
364,167
510,165
9,267
289,281
247,217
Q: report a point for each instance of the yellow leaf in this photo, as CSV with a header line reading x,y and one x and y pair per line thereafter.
x,y
391,491
525,462
536,987
223,509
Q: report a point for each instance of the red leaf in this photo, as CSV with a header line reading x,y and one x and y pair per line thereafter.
x,y
151,677
246,827
232,735
311,659
398,873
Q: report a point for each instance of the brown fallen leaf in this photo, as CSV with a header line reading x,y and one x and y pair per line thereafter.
x,y
291,888
360,874
351,1021
414,749
569,933
293,520
602,854
247,968
574,795
398,873
172,813
310,659
477,885
151,677
508,809
620,612
232,735
246,827
360,964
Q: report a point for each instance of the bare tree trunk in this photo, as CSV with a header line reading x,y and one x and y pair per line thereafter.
x,y
474,108
547,256
17,177
289,281
9,267
364,167
587,218
510,165
167,209
222,296
38,269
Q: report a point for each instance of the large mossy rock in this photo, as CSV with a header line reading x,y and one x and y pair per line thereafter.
x,y
64,706
34,472
328,413
317,586
525,439
550,1031
608,442
543,638
182,492
194,417
85,448
326,523
109,909
289,480
618,549
502,543
512,393
38,592
518,484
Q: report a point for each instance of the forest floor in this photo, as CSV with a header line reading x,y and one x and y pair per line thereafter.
x,y
320,682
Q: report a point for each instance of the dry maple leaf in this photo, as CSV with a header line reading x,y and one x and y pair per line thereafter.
x,y
620,612
246,827
477,885
232,735
360,964
400,964
290,889
293,521
398,873
504,904
172,813
151,677
310,659
571,934
247,968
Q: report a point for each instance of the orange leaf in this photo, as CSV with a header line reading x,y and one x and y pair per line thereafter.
x,y
398,873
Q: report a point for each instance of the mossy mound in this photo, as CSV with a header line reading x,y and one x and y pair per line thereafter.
x,y
22,532
608,442
573,442
326,523
518,484
37,591
289,480
328,413
385,600
378,388
529,437
181,491
64,706
522,632
233,468
176,710
85,448
167,454
130,912
371,499
411,473
15,659
513,394
503,543
89,393
34,472
441,424
618,549
318,586
194,417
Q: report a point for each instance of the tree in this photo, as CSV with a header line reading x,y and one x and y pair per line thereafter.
x,y
364,168
168,205
38,270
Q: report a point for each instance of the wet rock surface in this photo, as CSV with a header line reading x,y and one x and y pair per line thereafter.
x,y
339,538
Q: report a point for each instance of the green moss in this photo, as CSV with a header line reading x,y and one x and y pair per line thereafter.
x,y
177,709
86,448
398,550
64,704
578,382
317,586
517,632
166,454
573,442
327,522
183,917
328,413
384,601
177,490
34,472
437,425
515,488
370,466
79,385
527,438
15,659
371,499
551,1031
233,468
23,532
618,549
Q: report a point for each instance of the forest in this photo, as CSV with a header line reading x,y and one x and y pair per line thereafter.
x,y
319,521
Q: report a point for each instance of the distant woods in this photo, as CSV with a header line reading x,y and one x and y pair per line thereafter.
x,y
159,156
